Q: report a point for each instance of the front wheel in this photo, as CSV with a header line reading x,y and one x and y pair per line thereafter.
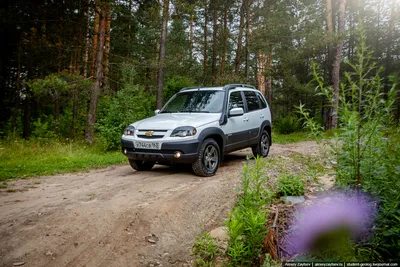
x,y
208,159
262,147
141,165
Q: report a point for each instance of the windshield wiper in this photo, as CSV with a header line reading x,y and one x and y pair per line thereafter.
x,y
196,111
170,111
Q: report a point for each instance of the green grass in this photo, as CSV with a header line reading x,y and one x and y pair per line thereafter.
x,y
291,138
20,158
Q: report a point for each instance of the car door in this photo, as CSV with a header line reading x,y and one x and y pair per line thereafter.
x,y
254,114
236,129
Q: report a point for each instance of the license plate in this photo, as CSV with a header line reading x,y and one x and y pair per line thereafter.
x,y
147,145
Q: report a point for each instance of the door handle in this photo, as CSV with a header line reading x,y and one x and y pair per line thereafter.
x,y
245,119
261,116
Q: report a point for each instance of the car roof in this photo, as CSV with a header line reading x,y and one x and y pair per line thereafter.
x,y
219,88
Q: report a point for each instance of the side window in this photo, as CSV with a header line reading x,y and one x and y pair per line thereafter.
x,y
262,101
252,100
235,100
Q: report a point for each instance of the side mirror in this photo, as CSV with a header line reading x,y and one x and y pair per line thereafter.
x,y
156,111
236,112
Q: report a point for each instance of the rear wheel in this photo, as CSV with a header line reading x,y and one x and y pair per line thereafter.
x,y
141,165
262,147
208,159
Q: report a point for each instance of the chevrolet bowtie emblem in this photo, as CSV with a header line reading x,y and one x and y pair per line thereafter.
x,y
149,133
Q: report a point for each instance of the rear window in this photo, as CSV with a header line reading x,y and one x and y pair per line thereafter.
x,y
252,101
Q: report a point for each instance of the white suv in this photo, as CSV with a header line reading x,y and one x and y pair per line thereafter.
x,y
198,126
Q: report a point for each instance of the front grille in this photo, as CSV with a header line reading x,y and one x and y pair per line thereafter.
x,y
156,134
150,137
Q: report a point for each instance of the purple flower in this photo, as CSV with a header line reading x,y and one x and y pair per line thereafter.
x,y
351,215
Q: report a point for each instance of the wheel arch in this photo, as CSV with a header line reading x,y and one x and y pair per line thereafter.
x,y
217,134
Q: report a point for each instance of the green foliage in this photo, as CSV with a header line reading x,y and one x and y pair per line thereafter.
x,y
174,84
43,129
287,125
130,104
290,185
247,221
367,148
21,158
269,262
205,250
52,84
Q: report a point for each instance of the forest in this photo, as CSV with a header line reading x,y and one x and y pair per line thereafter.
x,y
75,73
87,68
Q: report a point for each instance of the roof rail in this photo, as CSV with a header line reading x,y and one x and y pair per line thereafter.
x,y
226,87
234,85
190,87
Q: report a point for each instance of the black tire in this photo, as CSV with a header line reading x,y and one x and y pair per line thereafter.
x,y
141,165
208,159
262,147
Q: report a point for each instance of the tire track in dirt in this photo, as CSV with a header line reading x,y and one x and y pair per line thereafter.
x,y
104,217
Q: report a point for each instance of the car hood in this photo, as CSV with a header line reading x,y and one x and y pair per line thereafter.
x,y
170,121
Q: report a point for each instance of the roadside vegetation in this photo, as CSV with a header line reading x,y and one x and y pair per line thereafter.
x,y
363,155
367,149
252,233
21,158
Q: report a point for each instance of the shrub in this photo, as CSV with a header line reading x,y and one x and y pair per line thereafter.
x,y
130,104
291,185
367,148
247,221
43,128
205,250
287,125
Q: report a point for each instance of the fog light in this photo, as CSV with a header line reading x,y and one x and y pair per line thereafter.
x,y
125,151
177,154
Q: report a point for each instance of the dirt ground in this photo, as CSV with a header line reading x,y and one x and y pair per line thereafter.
x,y
117,216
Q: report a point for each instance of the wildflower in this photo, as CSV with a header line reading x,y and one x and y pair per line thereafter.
x,y
330,224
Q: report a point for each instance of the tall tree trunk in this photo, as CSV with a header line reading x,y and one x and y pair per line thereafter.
x,y
95,39
225,42
214,53
247,67
97,84
269,79
205,30
261,66
87,45
238,56
59,45
327,109
107,44
336,64
163,41
329,33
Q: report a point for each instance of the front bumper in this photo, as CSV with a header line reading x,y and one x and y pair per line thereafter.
x,y
187,148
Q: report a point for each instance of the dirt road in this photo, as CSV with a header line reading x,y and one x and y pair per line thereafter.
x,y
117,216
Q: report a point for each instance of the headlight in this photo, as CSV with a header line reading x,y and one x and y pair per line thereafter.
x,y
184,131
130,130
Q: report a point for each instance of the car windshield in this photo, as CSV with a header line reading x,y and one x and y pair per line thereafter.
x,y
195,101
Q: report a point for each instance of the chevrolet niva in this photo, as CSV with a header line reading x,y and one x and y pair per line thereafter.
x,y
198,126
